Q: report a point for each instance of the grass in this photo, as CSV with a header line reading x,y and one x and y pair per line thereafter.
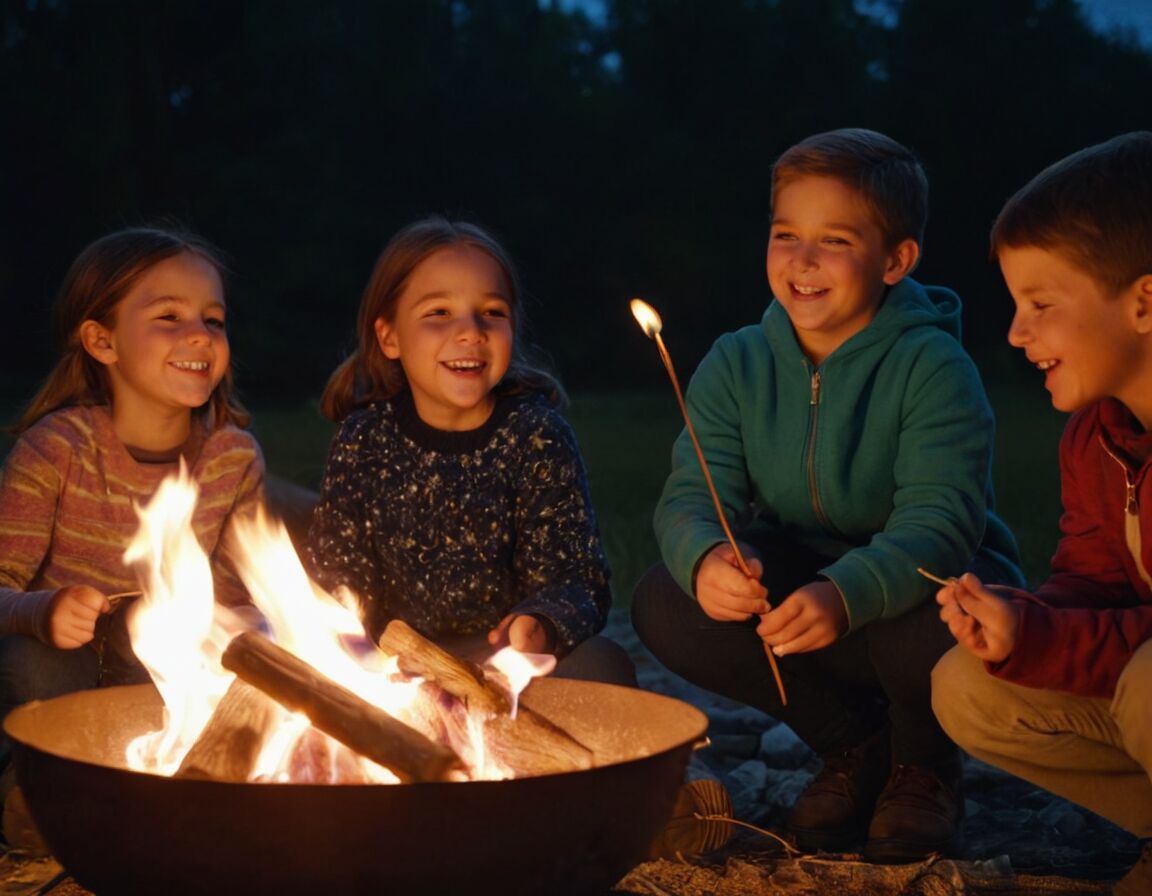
x,y
626,440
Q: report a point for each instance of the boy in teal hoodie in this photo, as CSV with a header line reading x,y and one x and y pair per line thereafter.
x,y
850,441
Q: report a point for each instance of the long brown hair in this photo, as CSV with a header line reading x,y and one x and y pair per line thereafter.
x,y
102,275
367,375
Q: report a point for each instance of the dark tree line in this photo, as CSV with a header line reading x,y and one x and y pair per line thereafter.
x,y
614,158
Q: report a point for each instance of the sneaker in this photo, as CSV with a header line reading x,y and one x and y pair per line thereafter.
x,y
920,812
832,814
1138,880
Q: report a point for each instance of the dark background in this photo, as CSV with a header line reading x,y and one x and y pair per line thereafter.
x,y
626,155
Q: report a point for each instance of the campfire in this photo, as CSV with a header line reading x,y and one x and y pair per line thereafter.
x,y
312,700
293,755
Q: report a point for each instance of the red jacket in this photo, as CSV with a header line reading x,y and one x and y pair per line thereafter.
x,y
1080,628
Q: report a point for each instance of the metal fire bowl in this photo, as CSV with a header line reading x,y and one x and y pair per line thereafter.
x,y
118,831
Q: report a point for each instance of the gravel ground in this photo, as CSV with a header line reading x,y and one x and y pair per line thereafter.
x,y
1019,839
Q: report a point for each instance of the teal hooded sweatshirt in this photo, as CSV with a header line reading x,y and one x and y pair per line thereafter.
x,y
880,458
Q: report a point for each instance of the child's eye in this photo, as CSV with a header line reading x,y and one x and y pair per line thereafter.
x,y
783,235
168,315
216,323
836,241
497,312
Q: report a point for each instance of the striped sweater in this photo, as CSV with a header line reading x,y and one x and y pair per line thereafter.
x,y
67,509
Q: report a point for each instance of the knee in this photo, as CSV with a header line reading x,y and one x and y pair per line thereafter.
x,y
957,679
598,659
1130,705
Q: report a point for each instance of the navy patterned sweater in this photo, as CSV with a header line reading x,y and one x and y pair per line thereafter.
x,y
451,531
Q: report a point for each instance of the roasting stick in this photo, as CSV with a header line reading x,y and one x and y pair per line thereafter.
x,y
651,324
951,580
115,599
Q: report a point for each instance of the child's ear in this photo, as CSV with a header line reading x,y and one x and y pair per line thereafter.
x,y
97,341
901,261
1141,292
386,339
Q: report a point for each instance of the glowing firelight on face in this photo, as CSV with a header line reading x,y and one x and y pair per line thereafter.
x,y
180,633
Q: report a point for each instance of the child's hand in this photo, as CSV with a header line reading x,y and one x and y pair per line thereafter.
x,y
72,615
724,592
983,623
809,618
521,632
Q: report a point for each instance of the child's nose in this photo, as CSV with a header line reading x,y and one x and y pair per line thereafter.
x,y
472,328
197,331
805,256
1018,332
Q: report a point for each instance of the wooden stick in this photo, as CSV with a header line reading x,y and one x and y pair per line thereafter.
x,y
528,744
230,743
338,712
951,580
740,561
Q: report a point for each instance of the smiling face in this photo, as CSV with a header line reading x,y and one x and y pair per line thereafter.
x,y
827,262
167,349
452,334
1088,342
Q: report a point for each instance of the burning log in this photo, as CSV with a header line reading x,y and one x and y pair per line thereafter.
x,y
463,680
529,743
230,743
338,712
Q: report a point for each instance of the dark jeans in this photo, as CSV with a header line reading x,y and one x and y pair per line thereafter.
x,y
837,695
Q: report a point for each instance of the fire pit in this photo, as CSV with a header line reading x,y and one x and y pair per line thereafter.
x,y
117,830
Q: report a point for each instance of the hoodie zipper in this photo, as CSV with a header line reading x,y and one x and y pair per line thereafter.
x,y
810,453
1131,514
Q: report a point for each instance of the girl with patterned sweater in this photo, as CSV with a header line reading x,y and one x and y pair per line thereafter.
x,y
143,384
454,496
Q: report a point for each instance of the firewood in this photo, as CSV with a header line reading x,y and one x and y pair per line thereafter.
x,y
465,681
336,711
529,744
230,743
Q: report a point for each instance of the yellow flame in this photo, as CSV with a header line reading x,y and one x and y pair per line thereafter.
x,y
647,317
179,633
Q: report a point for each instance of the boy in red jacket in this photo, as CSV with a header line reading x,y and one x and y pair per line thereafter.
x,y
1061,697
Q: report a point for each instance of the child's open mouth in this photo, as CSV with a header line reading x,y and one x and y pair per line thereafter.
x,y
466,366
192,366
808,292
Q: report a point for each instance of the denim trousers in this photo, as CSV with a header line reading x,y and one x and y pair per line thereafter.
x,y
837,695
1093,751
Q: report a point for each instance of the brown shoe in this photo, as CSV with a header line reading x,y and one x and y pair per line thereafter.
x,y
1138,880
832,813
920,812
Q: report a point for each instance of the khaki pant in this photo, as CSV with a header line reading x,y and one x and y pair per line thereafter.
x,y
1092,751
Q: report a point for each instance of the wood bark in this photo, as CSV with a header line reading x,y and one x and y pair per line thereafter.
x,y
528,744
230,743
338,712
